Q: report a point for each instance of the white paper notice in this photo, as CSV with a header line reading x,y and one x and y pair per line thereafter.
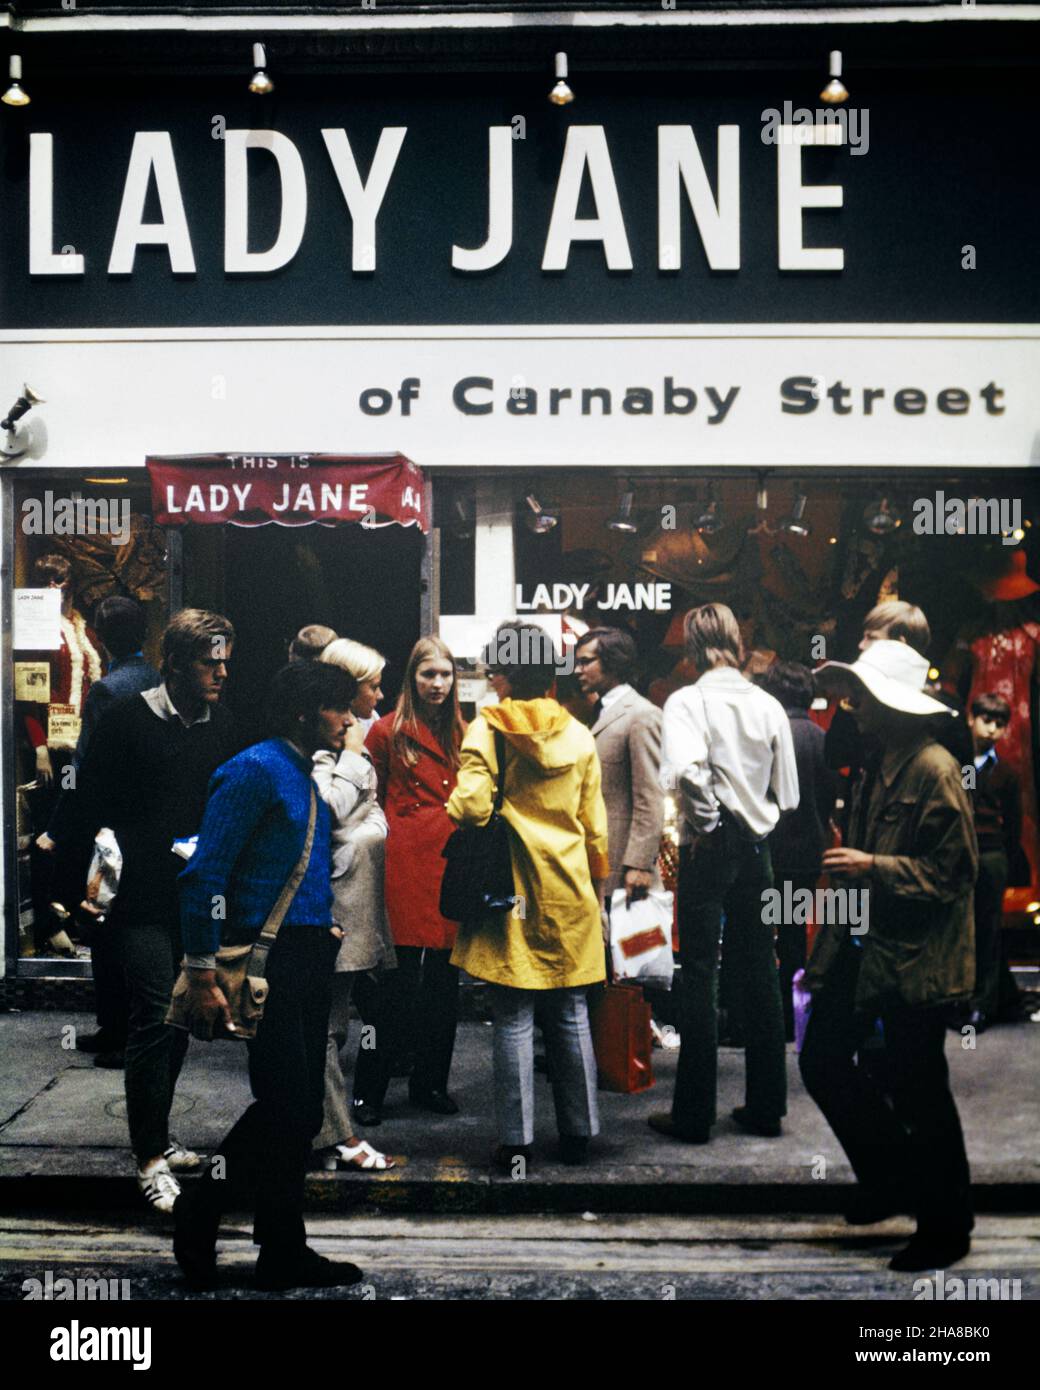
x,y
37,619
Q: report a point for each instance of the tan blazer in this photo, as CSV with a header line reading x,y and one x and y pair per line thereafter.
x,y
628,741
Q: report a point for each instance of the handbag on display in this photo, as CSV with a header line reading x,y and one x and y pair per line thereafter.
x,y
242,970
478,867
641,938
620,1022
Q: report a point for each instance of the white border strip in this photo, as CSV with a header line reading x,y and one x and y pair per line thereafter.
x,y
544,331
369,20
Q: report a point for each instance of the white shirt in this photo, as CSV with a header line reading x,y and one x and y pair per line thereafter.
x,y
158,701
605,701
727,743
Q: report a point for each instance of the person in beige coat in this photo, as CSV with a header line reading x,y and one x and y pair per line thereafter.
x,y
628,741
548,949
347,783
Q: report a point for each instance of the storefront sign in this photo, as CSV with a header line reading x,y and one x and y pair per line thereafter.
x,y
290,489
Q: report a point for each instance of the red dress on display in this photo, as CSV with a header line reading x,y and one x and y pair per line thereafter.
x,y
1003,662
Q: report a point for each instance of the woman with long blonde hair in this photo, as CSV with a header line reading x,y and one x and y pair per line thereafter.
x,y
415,753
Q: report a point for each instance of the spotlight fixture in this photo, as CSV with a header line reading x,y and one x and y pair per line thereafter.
x,y
461,522
795,525
710,520
540,521
16,95
882,517
835,91
22,406
623,521
261,83
561,94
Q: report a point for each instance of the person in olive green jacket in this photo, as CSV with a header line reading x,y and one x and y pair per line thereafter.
x,y
549,948
911,847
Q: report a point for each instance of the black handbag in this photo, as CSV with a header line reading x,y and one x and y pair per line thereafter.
x,y
478,868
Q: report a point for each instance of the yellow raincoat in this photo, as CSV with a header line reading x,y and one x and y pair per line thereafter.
x,y
554,806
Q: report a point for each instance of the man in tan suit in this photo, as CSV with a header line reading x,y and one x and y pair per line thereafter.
x,y
628,741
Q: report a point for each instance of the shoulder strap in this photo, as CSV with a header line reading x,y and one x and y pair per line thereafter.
x,y
269,931
500,758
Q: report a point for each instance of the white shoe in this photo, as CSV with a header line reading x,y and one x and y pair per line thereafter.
x,y
358,1155
158,1185
181,1160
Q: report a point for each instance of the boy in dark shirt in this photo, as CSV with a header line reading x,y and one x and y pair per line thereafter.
x,y
998,826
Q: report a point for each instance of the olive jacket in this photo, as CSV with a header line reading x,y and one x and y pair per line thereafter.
x,y
913,814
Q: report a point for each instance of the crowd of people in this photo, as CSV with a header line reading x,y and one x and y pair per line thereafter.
x,y
325,842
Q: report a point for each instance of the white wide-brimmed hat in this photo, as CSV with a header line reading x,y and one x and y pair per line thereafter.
x,y
892,672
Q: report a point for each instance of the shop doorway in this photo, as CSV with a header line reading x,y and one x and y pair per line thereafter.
x,y
272,580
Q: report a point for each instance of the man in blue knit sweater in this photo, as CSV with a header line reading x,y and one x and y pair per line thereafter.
x,y
252,836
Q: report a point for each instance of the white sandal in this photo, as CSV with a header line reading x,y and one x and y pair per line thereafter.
x,y
360,1155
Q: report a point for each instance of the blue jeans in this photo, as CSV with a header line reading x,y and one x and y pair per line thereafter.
x,y
724,875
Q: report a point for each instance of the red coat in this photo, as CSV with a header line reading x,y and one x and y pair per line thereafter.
x,y
413,799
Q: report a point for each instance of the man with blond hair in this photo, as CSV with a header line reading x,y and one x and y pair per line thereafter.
x,y
729,753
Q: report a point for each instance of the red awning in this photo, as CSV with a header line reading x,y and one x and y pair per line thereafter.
x,y
289,489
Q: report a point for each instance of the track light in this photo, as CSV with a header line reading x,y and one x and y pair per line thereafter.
x,y
16,95
710,520
882,517
835,91
261,83
623,521
540,521
795,525
561,94
22,406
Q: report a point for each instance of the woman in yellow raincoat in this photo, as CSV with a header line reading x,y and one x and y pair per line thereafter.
x,y
549,948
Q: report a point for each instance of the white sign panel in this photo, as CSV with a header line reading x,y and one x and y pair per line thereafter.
x,y
665,396
37,619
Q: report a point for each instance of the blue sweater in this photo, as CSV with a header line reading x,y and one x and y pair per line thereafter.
x,y
252,834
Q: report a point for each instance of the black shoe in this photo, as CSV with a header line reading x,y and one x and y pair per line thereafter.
x,y
663,1123
366,1113
439,1102
97,1042
195,1237
930,1252
978,1020
574,1148
868,1206
766,1129
305,1270
115,1061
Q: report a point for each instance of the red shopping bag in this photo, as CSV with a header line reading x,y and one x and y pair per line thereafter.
x,y
620,1019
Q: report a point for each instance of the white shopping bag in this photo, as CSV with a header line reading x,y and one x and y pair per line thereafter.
x,y
106,866
641,938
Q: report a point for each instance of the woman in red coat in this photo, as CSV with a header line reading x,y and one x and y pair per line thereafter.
x,y
415,752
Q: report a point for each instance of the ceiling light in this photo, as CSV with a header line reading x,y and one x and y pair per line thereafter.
x,y
795,525
261,83
623,521
16,95
540,521
561,94
835,90
882,517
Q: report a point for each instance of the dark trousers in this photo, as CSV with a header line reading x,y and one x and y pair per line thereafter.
x,y
724,876
989,901
911,1148
111,1000
154,1052
266,1153
416,1012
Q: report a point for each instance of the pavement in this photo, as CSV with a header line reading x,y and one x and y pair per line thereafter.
x,y
63,1135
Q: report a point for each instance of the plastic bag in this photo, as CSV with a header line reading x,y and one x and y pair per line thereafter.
x,y
802,1000
106,865
641,938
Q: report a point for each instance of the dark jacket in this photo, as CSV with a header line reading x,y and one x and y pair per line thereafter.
x,y
914,815
998,808
796,845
